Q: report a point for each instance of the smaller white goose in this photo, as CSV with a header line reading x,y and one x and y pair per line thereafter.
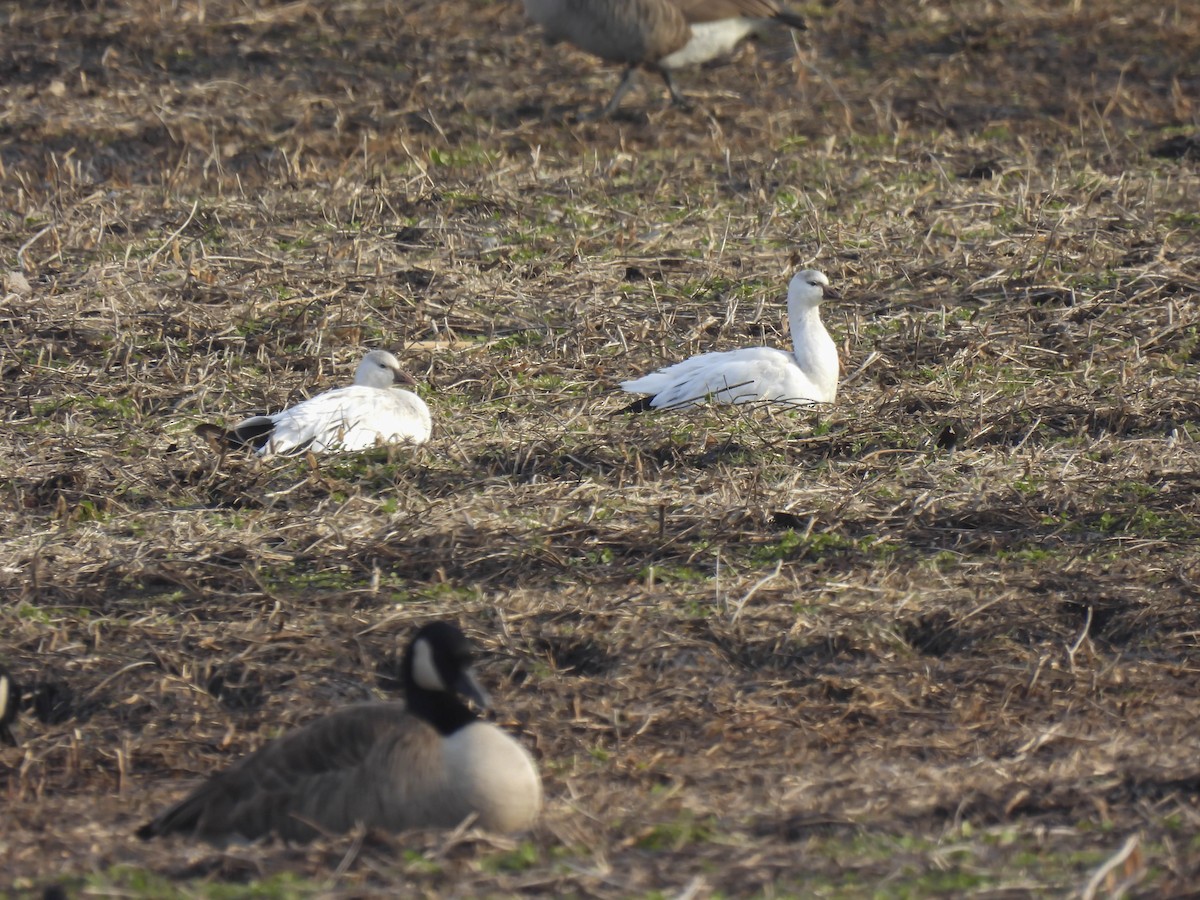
x,y
427,763
369,412
809,374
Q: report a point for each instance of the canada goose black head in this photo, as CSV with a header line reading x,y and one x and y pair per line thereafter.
x,y
10,696
437,672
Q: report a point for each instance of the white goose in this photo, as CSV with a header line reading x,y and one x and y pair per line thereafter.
x,y
809,374
369,412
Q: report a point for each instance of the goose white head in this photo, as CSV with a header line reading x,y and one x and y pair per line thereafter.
x,y
808,288
380,369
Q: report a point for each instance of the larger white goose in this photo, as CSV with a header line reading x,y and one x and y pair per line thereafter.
x,y
381,765
369,412
809,374
660,35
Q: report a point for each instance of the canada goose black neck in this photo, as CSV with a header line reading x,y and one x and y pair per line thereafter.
x,y
437,674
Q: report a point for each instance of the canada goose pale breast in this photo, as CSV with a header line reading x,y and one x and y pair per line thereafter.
x,y
428,764
370,412
809,374
662,35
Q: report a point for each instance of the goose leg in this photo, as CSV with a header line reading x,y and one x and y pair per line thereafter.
x,y
677,98
622,89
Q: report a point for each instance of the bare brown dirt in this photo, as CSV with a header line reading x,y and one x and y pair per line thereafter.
x,y
939,639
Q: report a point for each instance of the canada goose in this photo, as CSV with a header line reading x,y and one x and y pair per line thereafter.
x,y
809,374
10,696
430,765
369,412
661,35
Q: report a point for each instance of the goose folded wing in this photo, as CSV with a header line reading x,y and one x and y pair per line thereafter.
x,y
349,769
351,418
737,376
629,31
289,785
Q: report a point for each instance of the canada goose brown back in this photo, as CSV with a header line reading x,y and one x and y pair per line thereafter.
x,y
713,10
428,764
656,34
636,32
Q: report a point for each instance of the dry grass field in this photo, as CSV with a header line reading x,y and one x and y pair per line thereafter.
x,y
941,638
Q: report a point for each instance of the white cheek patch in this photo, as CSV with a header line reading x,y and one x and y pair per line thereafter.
x,y
425,673
3,695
